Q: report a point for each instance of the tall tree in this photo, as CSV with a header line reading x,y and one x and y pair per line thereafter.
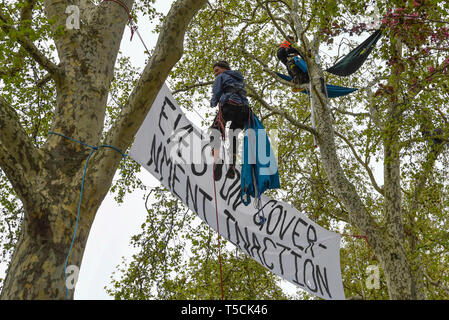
x,y
58,78
394,123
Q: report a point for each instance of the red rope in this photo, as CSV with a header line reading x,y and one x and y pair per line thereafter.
x,y
132,27
223,30
358,237
219,119
130,17
222,124
218,230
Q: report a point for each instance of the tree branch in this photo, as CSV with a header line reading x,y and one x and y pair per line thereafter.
x,y
197,85
28,45
19,158
27,12
168,51
364,164
359,216
273,19
282,113
437,284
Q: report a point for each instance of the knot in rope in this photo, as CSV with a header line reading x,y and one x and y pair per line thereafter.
x,y
93,149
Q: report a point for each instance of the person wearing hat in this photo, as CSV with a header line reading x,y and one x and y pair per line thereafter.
x,y
230,94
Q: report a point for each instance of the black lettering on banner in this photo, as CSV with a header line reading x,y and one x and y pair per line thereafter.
x,y
256,245
270,218
168,163
244,238
203,161
297,256
265,249
163,115
199,173
282,231
232,191
225,196
208,197
154,157
295,233
229,216
171,104
185,131
238,200
178,118
311,240
175,178
280,256
315,289
189,192
319,277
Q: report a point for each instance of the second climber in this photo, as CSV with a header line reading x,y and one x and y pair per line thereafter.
x,y
286,53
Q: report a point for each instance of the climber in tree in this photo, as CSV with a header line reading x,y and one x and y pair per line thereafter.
x,y
230,94
286,52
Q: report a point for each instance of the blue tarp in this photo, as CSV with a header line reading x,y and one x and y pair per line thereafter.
x,y
259,168
332,90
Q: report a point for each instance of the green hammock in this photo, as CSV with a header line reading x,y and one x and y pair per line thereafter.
x,y
354,59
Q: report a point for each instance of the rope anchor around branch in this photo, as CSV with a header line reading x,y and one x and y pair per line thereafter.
x,y
93,149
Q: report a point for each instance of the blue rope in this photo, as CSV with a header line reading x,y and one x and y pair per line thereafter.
x,y
93,149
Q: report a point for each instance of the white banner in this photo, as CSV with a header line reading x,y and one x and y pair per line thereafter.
x,y
289,244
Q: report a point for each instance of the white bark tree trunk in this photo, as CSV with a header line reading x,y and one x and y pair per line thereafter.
x,y
386,241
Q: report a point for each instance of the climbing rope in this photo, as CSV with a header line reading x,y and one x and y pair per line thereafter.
x,y
223,29
222,125
219,240
93,149
358,236
133,27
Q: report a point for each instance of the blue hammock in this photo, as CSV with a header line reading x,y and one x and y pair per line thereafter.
x,y
332,90
259,168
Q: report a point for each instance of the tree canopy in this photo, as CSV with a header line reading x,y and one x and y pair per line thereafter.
x,y
390,135
379,169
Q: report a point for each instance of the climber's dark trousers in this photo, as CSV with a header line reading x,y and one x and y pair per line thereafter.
x,y
238,115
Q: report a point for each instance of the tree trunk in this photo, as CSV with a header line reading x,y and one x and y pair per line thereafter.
x,y
387,244
37,267
48,180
